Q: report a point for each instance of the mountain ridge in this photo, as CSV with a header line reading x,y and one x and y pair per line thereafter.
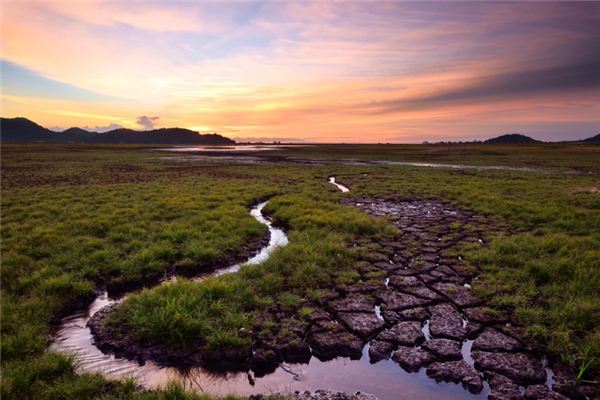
x,y
511,138
21,129
593,139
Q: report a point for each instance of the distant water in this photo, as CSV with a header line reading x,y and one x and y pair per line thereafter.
x,y
255,158
222,149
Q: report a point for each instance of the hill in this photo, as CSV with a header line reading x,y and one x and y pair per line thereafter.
x,y
160,136
593,139
76,135
513,138
24,130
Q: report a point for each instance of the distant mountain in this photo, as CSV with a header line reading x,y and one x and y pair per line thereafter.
x,y
77,135
593,139
24,130
160,136
513,138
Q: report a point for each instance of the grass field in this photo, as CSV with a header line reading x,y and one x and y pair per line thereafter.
x,y
74,217
579,157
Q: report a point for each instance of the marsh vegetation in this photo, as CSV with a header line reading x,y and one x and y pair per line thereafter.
x,y
79,218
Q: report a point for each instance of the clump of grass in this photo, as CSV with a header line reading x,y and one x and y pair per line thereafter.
x,y
553,291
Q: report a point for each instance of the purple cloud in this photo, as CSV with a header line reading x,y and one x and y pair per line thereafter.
x,y
146,121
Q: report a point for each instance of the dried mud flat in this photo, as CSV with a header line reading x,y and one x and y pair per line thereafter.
x,y
432,318
413,304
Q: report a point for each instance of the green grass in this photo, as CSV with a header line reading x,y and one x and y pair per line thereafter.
x,y
221,311
58,242
74,217
579,157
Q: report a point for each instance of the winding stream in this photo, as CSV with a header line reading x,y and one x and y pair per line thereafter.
x,y
277,239
343,188
73,336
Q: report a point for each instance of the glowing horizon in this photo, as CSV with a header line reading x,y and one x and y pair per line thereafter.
x,y
314,72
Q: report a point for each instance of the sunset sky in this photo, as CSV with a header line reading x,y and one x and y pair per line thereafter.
x,y
320,72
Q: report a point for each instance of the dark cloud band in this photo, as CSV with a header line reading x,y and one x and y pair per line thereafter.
x,y
582,75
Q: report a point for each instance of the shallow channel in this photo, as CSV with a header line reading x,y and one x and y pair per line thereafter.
x,y
343,188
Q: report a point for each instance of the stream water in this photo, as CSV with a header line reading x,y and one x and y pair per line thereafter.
x,y
385,379
343,188
278,238
222,149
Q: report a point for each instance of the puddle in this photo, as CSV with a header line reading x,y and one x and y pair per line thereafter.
x,y
426,331
378,312
460,166
466,352
549,378
219,159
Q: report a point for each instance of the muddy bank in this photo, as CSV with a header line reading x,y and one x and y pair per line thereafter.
x,y
118,288
253,251
113,341
119,342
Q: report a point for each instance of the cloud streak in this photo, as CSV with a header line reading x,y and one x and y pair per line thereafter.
x,y
581,75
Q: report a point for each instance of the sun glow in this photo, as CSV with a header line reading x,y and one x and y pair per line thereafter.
x,y
365,72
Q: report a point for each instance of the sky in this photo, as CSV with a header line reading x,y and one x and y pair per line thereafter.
x,y
354,71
